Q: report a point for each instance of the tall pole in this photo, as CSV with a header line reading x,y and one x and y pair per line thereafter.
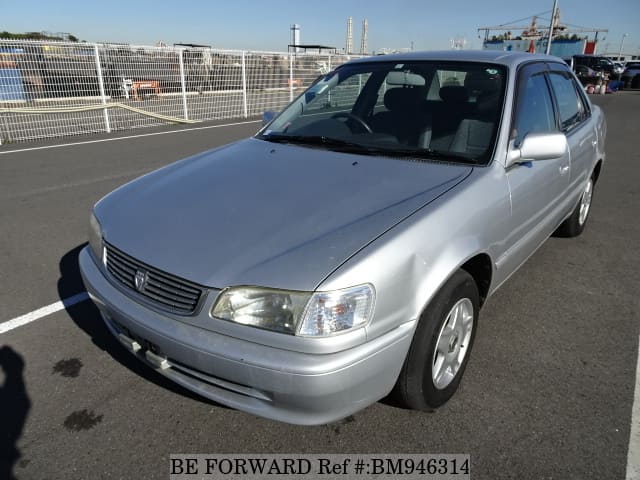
x,y
624,35
349,46
553,18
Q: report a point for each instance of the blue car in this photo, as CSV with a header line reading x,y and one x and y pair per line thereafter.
x,y
631,75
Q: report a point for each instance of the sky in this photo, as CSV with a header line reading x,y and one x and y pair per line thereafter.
x,y
265,25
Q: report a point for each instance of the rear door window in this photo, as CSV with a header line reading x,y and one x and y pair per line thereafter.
x,y
571,108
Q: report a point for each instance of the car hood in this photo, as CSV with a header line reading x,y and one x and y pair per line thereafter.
x,y
258,213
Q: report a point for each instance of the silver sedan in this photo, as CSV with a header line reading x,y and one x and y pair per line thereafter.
x,y
345,251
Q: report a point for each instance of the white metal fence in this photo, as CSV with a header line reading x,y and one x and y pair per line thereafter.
x,y
53,89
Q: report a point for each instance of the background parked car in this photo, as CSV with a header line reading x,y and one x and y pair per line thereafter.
x,y
618,68
595,62
631,75
584,72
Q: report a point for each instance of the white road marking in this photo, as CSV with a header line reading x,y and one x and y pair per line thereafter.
x,y
633,455
55,188
44,147
42,312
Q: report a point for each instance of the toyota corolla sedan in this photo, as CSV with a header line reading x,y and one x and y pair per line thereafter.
x,y
344,252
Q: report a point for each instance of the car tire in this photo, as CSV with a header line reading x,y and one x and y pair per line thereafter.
x,y
441,345
574,225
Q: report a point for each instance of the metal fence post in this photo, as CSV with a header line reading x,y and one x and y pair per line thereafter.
x,y
291,78
244,85
101,86
184,87
6,125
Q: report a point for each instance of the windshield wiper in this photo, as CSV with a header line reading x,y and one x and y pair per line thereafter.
x,y
427,154
320,141
351,147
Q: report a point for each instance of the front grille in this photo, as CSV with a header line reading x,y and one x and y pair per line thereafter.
x,y
159,288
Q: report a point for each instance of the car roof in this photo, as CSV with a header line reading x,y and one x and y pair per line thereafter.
x,y
509,59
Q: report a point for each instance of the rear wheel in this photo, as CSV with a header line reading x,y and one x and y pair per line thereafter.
x,y
574,225
441,345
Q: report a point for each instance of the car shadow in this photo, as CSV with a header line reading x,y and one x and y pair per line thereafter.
x,y
15,406
87,317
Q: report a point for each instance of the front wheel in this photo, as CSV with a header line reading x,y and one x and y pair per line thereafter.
x,y
441,345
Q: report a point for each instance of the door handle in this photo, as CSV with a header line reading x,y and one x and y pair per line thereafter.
x,y
564,169
594,143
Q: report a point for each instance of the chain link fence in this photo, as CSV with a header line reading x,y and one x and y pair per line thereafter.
x,y
55,89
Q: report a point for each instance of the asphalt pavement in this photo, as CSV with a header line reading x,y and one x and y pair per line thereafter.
x,y
547,394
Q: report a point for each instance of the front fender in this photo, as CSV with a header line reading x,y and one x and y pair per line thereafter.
x,y
409,264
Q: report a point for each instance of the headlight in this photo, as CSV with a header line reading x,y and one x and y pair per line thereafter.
x,y
267,308
95,236
297,313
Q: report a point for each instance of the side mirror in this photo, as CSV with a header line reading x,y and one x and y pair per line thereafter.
x,y
538,146
268,116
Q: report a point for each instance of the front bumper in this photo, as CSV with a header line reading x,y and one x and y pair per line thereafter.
x,y
288,386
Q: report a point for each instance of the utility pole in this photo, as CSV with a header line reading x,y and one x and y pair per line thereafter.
x,y
624,35
553,19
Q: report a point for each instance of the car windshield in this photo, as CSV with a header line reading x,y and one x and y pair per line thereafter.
x,y
440,111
